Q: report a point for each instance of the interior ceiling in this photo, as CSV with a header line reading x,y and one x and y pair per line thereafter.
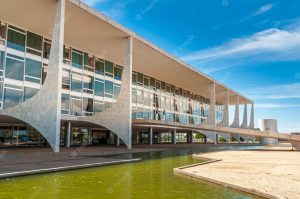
x,y
90,31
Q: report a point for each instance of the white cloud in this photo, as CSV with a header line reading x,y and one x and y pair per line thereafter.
x,y
263,9
284,91
274,105
266,46
92,2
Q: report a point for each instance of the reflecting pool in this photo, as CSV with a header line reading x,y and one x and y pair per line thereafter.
x,y
151,178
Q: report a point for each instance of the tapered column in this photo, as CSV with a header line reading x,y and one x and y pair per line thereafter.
x,y
174,136
236,120
245,117
251,124
68,134
225,120
150,137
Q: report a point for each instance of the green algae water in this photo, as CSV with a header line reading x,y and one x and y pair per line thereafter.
x,y
151,178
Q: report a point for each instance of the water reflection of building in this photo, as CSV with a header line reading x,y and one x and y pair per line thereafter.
x,y
94,81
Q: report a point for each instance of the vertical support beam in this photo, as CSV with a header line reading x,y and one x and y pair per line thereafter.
x,y
236,120
251,124
245,117
68,134
129,64
174,136
191,137
150,136
225,120
117,140
56,60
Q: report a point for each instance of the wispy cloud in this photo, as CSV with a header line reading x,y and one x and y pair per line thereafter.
x,y
284,91
263,9
274,105
266,46
92,2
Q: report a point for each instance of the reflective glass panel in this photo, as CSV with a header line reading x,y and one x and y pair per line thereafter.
x,y
33,69
34,41
88,105
99,88
12,97
109,89
118,73
76,83
76,106
99,67
98,107
109,68
16,40
77,59
14,69
65,101
1,60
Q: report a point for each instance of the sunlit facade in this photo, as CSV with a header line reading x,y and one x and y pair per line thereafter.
x,y
90,84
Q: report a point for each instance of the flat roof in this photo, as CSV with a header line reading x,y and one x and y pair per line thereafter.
x,y
95,33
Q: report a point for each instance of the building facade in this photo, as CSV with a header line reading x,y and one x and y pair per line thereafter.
x,y
80,78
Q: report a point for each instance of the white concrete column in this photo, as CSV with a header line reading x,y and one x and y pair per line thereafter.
x,y
150,136
236,120
225,120
245,117
68,134
174,136
251,124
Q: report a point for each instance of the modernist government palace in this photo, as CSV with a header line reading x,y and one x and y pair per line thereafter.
x,y
70,76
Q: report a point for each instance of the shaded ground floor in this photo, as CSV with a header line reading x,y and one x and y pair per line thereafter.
x,y
73,134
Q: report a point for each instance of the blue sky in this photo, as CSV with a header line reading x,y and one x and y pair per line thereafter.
x,y
253,46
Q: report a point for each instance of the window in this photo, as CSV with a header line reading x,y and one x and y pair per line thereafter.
x,y
152,82
46,50
2,55
77,59
34,41
12,96
109,89
16,40
88,105
109,68
65,103
66,79
140,78
3,29
99,88
134,76
29,92
88,84
76,82
14,67
99,67
76,106
118,73
134,96
1,92
67,55
33,70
